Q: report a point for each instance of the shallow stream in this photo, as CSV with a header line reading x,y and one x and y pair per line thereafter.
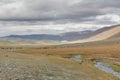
x,y
106,68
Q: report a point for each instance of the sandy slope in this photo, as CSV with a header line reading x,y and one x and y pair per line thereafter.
x,y
102,36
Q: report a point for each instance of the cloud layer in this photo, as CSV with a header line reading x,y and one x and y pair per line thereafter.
x,y
26,14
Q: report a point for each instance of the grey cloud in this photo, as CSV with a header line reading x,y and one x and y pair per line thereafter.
x,y
22,16
56,11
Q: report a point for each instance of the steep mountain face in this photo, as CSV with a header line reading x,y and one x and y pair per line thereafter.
x,y
105,33
83,34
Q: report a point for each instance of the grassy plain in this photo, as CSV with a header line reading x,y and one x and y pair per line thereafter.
x,y
54,63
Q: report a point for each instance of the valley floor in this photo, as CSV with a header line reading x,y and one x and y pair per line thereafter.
x,y
36,63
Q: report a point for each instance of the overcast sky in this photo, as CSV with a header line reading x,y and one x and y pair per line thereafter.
x,y
56,16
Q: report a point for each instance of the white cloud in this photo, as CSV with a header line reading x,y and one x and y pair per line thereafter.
x,y
44,29
109,17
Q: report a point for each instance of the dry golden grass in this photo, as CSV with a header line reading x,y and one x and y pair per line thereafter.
x,y
112,51
59,58
50,66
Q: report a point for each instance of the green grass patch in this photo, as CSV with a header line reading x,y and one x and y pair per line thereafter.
x,y
115,67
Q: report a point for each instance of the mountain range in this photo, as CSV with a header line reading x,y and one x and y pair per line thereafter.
x,y
79,36
69,36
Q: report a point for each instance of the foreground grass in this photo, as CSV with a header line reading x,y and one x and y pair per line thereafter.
x,y
54,63
25,67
